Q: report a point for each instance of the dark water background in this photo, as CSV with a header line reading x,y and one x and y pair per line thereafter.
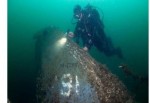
x,y
126,22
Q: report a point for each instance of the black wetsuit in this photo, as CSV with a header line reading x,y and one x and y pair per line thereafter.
x,y
91,29
85,29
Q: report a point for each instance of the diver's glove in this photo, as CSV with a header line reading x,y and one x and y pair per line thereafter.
x,y
69,34
85,48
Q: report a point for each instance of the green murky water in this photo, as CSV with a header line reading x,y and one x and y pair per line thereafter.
x,y
126,22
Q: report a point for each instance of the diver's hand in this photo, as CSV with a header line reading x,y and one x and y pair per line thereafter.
x,y
85,48
71,34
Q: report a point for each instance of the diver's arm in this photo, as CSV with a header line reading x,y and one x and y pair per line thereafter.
x,y
77,33
73,34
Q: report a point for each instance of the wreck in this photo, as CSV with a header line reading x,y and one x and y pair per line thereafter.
x,y
67,74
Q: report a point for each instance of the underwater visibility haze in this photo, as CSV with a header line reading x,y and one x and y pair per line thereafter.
x,y
125,21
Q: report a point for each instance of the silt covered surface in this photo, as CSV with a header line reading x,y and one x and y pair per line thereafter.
x,y
70,75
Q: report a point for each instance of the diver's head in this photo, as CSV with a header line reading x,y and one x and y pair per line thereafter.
x,y
77,11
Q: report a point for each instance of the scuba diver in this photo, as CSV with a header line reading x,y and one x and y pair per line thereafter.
x,y
128,72
142,80
90,28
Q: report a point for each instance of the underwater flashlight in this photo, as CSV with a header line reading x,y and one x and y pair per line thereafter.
x,y
63,40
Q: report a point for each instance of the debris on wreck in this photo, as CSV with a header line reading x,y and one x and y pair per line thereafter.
x,y
70,75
